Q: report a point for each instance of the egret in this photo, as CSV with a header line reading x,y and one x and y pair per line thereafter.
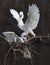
x,y
31,22
12,37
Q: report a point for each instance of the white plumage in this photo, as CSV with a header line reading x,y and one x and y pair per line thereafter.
x,y
31,22
12,37
33,17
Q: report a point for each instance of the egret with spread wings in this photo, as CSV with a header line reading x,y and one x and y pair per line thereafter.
x,y
31,22
11,37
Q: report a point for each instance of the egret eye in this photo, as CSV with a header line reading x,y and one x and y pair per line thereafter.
x,y
20,15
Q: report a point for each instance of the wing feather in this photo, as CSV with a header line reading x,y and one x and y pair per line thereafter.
x,y
10,36
15,14
33,17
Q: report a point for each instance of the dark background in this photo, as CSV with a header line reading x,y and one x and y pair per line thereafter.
x,y
6,24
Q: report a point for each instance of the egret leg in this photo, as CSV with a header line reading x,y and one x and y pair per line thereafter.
x,y
32,33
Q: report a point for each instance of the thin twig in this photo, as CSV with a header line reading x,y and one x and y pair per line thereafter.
x,y
38,37
7,55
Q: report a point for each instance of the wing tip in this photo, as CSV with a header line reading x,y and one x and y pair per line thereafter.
x,y
34,8
11,10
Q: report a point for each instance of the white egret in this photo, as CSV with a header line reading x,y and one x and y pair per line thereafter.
x,y
11,37
31,22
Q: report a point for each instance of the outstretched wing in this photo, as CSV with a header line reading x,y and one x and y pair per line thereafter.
x,y
10,36
15,14
33,17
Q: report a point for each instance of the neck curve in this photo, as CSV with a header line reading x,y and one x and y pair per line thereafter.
x,y
20,24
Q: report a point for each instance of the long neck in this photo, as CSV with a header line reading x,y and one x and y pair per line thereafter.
x,y
20,24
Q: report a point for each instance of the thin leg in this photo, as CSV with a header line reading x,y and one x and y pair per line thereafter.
x,y
32,33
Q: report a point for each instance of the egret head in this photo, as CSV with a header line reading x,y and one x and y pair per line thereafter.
x,y
21,15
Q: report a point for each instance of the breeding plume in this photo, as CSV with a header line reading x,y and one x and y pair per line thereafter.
x,y
31,22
